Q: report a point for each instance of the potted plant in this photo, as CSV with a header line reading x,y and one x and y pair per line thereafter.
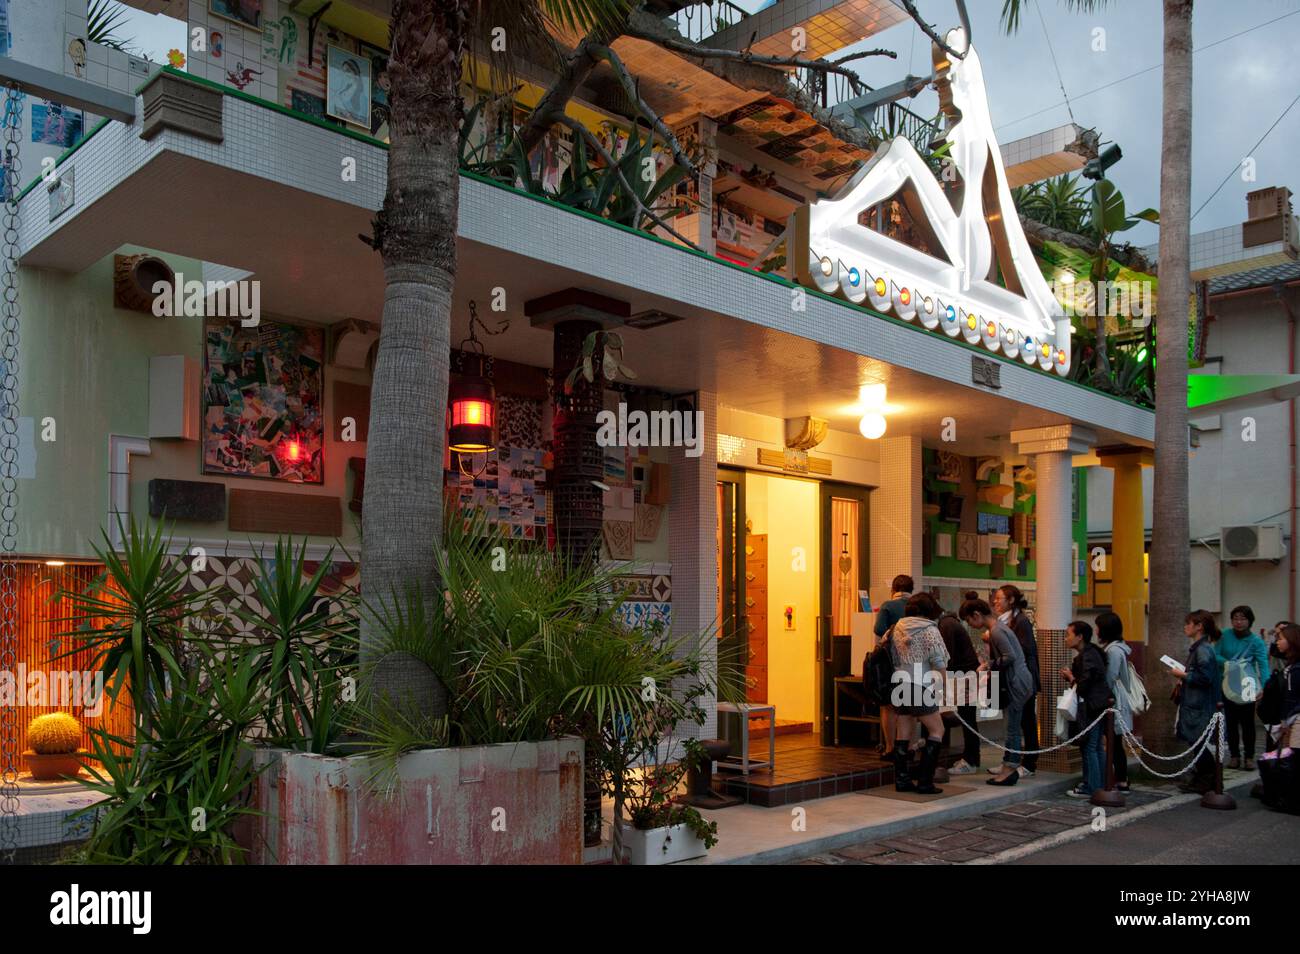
x,y
660,831
55,751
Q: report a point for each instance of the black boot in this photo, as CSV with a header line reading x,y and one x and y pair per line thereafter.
x,y
929,761
903,768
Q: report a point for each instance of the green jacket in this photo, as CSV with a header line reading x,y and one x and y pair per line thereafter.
x,y
1252,647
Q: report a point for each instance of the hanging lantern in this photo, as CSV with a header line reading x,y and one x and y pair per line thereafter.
x,y
473,411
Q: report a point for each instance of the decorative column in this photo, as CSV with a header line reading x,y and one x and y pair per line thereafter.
x,y
1128,536
573,314
1053,450
693,544
895,515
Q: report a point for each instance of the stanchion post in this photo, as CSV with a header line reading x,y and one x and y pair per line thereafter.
x,y
1218,799
1109,797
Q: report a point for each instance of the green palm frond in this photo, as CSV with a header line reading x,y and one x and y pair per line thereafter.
x,y
103,18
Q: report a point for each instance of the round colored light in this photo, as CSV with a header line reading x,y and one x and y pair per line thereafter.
x,y
1011,337
971,322
827,266
905,296
951,313
929,306
1060,356
854,276
992,329
293,451
1029,344
872,426
881,287
1047,351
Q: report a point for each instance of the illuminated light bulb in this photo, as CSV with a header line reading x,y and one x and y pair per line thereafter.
x,y
950,313
827,267
881,287
871,396
929,305
992,329
55,563
1011,336
972,322
854,276
1047,351
872,426
294,451
905,296
1060,356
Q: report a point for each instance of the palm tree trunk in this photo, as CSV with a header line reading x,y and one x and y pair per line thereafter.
x,y
416,234
1170,557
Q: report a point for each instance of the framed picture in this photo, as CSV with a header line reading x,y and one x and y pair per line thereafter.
x,y
347,86
55,124
246,12
262,399
379,108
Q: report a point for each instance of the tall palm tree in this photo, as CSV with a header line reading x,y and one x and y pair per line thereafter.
x,y
415,233
1170,560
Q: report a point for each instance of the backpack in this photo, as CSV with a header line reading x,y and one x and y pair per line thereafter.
x,y
1132,688
878,671
1240,684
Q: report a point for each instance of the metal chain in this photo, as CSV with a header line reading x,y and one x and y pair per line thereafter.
x,y
9,327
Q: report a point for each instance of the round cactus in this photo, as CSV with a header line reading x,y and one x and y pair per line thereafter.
x,y
55,734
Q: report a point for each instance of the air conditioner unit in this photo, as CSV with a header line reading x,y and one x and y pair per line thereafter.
x,y
1251,543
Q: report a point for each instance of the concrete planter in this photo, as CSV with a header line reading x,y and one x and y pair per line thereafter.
x,y
515,803
661,846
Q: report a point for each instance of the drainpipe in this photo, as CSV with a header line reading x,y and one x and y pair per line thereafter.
x,y
1278,291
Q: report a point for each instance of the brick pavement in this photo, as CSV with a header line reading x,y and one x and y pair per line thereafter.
x,y
965,840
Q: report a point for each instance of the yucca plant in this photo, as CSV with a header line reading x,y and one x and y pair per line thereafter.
x,y
135,615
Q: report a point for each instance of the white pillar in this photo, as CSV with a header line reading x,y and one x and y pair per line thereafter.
x,y
895,515
1053,450
692,547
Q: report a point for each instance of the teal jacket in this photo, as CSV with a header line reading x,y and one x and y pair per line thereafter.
x,y
1252,647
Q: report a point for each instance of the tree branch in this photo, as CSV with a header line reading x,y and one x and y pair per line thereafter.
x,y
687,48
604,153
915,14
634,94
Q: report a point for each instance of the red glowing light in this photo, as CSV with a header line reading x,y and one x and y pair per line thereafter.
x,y
471,412
294,450
905,296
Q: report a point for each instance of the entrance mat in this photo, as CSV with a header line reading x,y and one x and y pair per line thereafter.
x,y
949,790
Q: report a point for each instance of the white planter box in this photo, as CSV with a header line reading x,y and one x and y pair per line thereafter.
x,y
661,846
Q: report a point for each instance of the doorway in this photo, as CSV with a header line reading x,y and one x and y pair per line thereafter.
x,y
844,575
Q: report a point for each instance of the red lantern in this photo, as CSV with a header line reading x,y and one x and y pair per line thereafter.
x,y
472,409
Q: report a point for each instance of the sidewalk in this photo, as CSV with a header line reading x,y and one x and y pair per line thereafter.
x,y
750,834
1013,831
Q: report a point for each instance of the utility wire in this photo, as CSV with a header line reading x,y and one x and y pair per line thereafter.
x,y
1233,170
1057,66
1124,79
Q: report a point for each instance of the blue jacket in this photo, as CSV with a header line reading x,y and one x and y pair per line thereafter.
x,y
1200,691
1252,647
891,611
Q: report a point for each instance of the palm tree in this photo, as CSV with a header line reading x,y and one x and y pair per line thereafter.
x,y
415,233
1170,560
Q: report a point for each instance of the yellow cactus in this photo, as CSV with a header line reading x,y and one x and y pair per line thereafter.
x,y
55,734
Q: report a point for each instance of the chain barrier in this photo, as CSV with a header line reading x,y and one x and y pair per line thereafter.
x,y
9,314
1195,751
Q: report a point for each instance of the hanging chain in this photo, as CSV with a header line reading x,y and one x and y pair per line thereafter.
x,y
9,312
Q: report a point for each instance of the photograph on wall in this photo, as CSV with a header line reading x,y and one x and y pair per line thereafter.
x,y
262,413
247,12
347,86
55,124
379,108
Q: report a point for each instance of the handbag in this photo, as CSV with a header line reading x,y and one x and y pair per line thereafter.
x,y
1068,702
1239,684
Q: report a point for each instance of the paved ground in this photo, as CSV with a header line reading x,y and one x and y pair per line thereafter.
x,y
1189,835
979,837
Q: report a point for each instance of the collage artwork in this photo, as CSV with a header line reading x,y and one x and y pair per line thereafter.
x,y
511,491
262,414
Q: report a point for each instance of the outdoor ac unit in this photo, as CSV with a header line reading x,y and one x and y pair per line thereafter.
x,y
1251,543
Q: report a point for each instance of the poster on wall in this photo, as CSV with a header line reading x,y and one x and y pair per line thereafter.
x,y
247,12
379,109
5,38
55,124
262,402
510,490
347,86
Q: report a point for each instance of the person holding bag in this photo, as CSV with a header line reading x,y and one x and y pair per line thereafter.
x,y
1243,659
1015,685
1087,676
1010,604
1197,693
1110,634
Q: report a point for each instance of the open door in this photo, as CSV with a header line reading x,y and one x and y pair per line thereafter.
x,y
844,546
733,643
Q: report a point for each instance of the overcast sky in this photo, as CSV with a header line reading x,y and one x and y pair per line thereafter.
x,y
1239,88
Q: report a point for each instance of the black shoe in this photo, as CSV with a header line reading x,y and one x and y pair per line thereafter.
x,y
929,762
1009,779
903,768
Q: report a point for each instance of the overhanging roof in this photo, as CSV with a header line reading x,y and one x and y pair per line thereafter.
x,y
1215,393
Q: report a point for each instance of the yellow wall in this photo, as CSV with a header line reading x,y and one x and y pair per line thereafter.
x,y
786,510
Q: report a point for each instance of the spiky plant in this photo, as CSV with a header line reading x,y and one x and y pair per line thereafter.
x,y
56,733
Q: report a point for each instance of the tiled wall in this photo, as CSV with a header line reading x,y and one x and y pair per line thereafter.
x,y
242,63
